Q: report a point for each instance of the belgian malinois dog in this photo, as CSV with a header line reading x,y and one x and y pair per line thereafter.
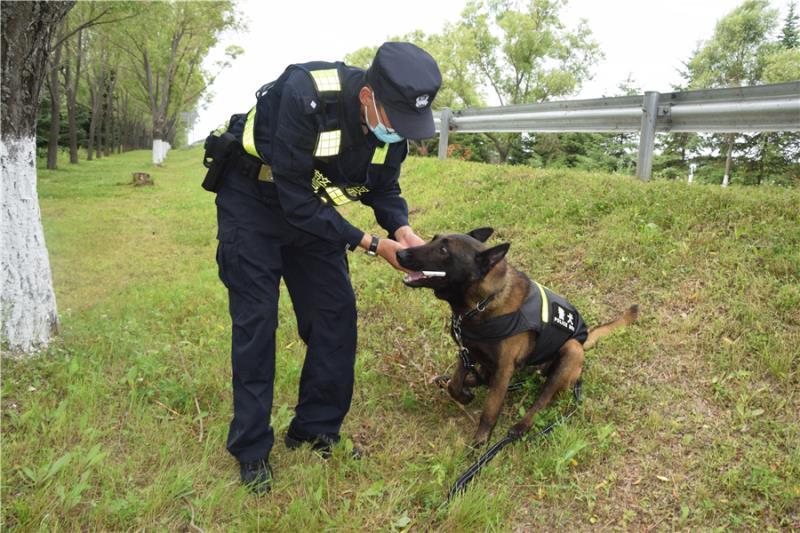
x,y
503,322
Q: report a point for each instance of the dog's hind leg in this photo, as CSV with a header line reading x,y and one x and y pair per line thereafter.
x,y
562,376
597,333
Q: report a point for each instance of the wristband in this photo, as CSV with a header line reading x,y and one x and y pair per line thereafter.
x,y
373,246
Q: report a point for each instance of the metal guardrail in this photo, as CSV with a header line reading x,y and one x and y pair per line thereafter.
x,y
742,109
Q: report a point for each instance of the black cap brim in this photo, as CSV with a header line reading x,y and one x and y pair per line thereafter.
x,y
415,125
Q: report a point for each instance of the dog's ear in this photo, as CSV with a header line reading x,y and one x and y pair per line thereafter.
x,y
487,259
481,234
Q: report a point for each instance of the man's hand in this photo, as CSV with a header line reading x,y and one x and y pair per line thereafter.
x,y
387,248
407,238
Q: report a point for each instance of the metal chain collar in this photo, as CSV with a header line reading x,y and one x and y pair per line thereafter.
x,y
455,329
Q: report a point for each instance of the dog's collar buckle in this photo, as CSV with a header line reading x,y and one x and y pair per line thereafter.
x,y
480,308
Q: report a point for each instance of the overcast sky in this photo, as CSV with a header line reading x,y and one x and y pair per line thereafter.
x,y
648,39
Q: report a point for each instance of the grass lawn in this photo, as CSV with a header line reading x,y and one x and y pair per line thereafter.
x,y
690,418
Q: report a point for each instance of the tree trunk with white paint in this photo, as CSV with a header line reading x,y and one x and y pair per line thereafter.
x,y
28,317
157,153
28,302
726,178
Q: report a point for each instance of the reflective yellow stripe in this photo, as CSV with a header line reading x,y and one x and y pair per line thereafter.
x,y
248,140
355,192
265,173
328,143
326,80
336,195
379,156
545,304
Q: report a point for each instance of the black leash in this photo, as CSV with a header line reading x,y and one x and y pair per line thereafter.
x,y
461,483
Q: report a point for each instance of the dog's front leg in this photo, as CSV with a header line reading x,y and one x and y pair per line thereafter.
x,y
494,402
455,387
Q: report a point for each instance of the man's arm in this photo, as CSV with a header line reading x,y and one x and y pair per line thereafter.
x,y
293,168
390,208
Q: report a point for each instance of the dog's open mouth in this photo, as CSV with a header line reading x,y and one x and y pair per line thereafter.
x,y
424,274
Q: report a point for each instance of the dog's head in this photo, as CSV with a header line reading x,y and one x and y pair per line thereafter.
x,y
452,263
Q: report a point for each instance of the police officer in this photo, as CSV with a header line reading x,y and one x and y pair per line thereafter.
x,y
320,135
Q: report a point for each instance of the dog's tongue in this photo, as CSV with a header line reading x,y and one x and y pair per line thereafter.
x,y
414,276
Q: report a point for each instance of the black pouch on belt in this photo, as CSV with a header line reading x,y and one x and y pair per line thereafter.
x,y
219,149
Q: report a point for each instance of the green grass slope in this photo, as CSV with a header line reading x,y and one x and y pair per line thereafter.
x,y
690,418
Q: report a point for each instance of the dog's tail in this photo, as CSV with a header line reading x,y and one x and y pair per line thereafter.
x,y
595,334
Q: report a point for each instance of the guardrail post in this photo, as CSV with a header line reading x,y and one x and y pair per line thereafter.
x,y
647,135
444,131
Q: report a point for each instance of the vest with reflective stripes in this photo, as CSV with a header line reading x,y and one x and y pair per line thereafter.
x,y
328,87
551,316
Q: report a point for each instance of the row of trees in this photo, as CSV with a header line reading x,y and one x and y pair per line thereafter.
x,y
513,52
124,72
127,75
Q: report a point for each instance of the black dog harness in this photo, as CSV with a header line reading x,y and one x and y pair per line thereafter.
x,y
551,316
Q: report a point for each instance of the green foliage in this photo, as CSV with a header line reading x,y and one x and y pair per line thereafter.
x,y
519,52
742,52
362,57
142,66
43,124
782,65
524,52
613,152
790,36
734,55
166,46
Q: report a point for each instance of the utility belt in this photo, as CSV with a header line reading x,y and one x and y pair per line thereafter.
x,y
223,151
252,168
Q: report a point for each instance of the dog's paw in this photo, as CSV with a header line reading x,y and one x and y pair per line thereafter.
x,y
477,446
518,430
441,381
479,441
463,396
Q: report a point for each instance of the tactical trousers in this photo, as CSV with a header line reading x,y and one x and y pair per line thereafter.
x,y
257,246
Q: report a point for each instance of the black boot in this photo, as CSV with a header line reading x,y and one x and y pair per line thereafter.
x,y
257,476
322,444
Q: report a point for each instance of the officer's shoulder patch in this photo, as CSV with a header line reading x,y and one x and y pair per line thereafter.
x,y
563,318
311,105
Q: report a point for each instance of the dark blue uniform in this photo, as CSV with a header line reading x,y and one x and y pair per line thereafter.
x,y
282,222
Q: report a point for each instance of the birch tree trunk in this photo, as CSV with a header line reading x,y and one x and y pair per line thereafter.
x,y
28,317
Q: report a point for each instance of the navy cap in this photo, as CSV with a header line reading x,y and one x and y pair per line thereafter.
x,y
405,79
